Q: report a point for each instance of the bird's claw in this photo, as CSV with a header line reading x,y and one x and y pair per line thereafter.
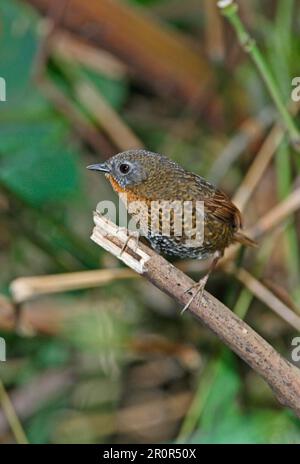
x,y
199,286
188,290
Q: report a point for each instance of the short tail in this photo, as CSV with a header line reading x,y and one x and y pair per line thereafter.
x,y
240,237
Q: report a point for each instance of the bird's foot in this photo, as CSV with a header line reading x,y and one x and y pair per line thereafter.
x,y
199,286
199,289
136,236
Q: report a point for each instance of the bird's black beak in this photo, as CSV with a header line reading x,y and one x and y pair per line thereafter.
x,y
99,167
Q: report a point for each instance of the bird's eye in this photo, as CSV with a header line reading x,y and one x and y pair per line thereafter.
x,y
124,168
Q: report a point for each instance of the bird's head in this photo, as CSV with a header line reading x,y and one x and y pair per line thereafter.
x,y
139,170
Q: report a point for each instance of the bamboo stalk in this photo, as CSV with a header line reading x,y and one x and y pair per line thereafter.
x,y
12,417
25,288
230,10
261,292
156,54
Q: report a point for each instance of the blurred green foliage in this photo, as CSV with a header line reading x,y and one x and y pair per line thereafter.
x,y
34,160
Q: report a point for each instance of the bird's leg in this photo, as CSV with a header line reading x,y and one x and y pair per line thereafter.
x,y
199,286
131,234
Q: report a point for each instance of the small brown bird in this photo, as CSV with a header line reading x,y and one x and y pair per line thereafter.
x,y
152,179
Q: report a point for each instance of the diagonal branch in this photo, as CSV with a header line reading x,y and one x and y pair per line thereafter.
x,y
281,375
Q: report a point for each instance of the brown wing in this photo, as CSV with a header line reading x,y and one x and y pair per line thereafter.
x,y
221,207
221,210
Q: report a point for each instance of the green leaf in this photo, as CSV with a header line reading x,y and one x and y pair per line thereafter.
x,y
18,46
221,402
36,162
40,174
257,427
224,421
